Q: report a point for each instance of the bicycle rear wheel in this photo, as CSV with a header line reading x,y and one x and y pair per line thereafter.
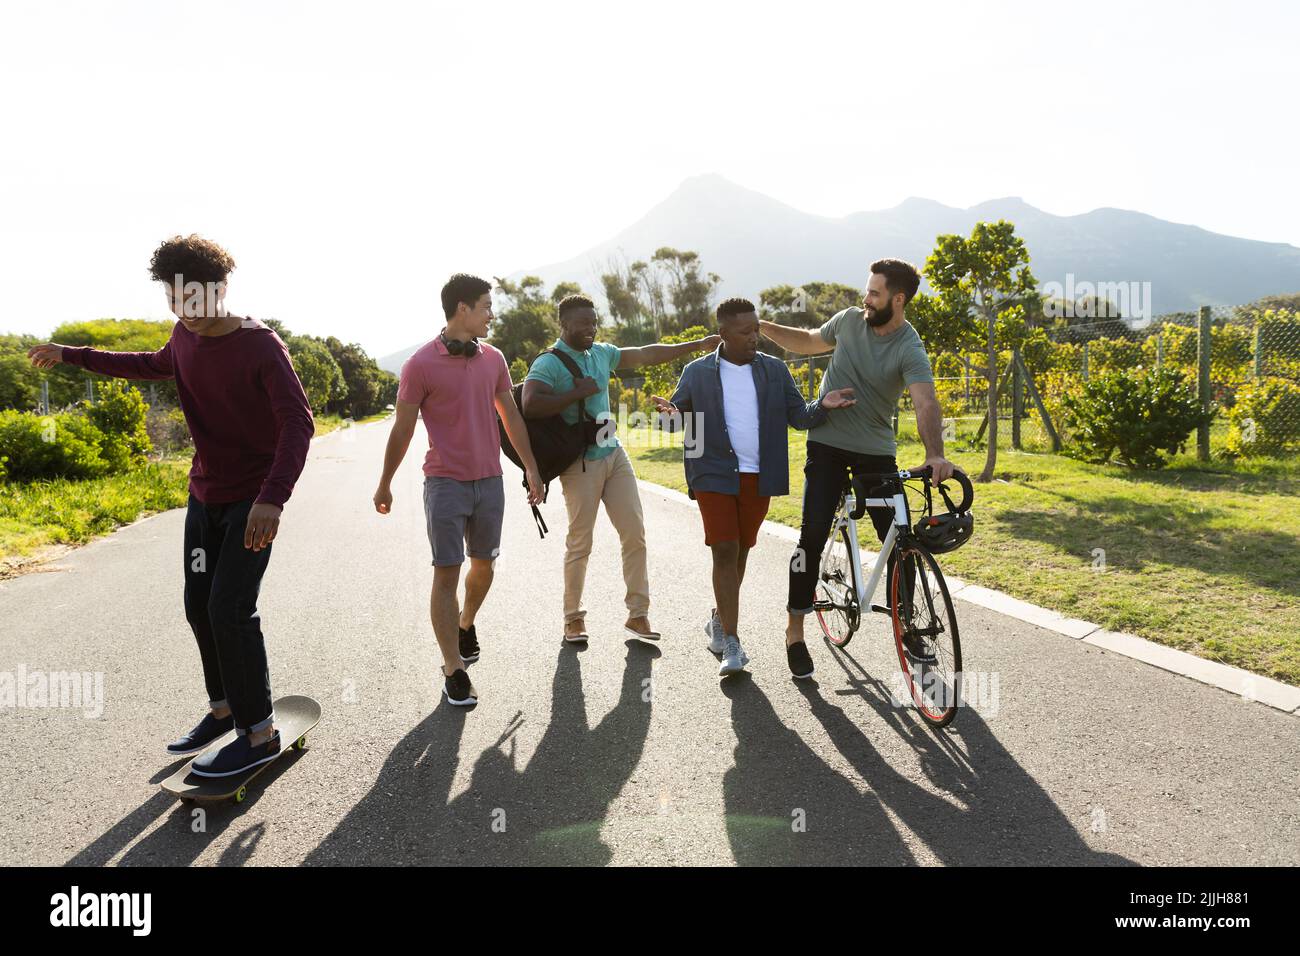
x,y
836,595
925,635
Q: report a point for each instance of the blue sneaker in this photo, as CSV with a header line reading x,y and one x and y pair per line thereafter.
x,y
236,757
208,730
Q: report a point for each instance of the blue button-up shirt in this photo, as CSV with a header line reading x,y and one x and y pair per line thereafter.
x,y
715,467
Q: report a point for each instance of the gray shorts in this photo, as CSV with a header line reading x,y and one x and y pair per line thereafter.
x,y
463,516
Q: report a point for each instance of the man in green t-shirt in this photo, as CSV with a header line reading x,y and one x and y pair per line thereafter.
x,y
877,353
604,472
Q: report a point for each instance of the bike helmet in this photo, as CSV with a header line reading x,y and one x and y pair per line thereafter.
x,y
943,533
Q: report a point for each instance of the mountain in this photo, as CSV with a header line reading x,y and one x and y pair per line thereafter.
x,y
754,241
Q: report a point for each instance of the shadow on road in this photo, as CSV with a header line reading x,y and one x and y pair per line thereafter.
x,y
995,813
548,812
786,806
174,842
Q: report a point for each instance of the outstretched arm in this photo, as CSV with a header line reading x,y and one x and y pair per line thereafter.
x,y
799,341
660,352
136,365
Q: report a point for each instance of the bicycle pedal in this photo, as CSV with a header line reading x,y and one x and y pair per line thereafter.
x,y
880,609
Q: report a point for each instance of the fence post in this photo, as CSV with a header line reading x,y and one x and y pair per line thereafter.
x,y
45,396
1016,398
808,388
1258,350
90,390
966,361
1203,382
1085,361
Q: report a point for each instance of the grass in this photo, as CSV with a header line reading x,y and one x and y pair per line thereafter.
x,y
1200,557
68,511
36,514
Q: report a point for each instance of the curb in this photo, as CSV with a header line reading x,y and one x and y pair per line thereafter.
x,y
1234,680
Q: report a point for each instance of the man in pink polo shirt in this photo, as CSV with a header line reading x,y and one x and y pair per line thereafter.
x,y
458,385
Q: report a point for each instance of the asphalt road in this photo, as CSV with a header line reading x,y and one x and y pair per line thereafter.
x,y
620,753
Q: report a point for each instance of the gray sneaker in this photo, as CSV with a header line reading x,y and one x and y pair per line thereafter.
x,y
717,640
733,658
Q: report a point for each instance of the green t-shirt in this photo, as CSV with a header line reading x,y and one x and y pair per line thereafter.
x,y
877,368
598,363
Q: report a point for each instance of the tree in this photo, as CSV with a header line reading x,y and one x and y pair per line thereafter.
x,y
527,322
360,376
986,277
639,295
321,377
690,292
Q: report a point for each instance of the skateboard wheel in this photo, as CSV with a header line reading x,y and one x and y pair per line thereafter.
x,y
300,743
240,794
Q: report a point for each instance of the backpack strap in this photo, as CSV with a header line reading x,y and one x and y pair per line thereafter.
x,y
572,368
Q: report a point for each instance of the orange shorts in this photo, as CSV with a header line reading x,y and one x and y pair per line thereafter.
x,y
733,517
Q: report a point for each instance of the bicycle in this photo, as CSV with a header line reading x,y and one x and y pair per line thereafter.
x,y
925,628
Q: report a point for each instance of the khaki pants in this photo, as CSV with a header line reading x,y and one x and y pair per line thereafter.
x,y
611,480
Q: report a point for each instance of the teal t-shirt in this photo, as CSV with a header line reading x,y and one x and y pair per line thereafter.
x,y
598,363
877,368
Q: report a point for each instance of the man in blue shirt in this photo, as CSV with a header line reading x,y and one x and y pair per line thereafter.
x,y
738,403
604,472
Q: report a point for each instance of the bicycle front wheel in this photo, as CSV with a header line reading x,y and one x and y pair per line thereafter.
x,y
836,595
925,635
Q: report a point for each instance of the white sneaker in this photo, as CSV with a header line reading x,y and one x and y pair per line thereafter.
x,y
717,639
733,658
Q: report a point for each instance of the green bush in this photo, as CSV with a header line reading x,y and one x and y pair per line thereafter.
x,y
34,446
167,429
1265,420
1135,418
662,379
119,411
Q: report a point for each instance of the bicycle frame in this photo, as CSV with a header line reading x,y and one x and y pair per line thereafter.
x,y
843,519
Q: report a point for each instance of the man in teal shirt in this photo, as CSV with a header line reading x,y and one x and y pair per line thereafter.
x,y
604,472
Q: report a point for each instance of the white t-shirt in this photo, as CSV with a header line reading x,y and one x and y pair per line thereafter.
x,y
740,408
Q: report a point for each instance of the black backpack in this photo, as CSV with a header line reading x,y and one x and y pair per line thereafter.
x,y
555,443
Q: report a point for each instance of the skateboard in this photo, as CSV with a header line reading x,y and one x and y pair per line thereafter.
x,y
294,717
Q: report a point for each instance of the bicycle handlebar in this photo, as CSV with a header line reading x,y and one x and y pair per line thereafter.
x,y
860,483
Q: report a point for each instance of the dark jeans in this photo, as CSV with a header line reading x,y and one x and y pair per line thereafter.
x,y
222,581
824,475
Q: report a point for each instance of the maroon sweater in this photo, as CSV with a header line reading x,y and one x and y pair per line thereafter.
x,y
246,409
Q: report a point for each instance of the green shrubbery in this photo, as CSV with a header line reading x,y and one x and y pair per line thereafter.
x,y
101,439
1265,419
1135,418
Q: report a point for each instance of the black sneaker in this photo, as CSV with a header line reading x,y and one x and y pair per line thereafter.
x,y
236,757
468,645
914,645
801,664
207,730
459,690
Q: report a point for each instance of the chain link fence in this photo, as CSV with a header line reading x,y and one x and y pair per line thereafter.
x,y
1243,363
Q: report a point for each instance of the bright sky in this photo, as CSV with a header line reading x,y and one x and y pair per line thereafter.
x,y
351,156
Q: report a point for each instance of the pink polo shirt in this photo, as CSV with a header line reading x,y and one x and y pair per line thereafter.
x,y
456,397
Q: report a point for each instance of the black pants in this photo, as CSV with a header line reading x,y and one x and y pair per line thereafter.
x,y
222,581
824,475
